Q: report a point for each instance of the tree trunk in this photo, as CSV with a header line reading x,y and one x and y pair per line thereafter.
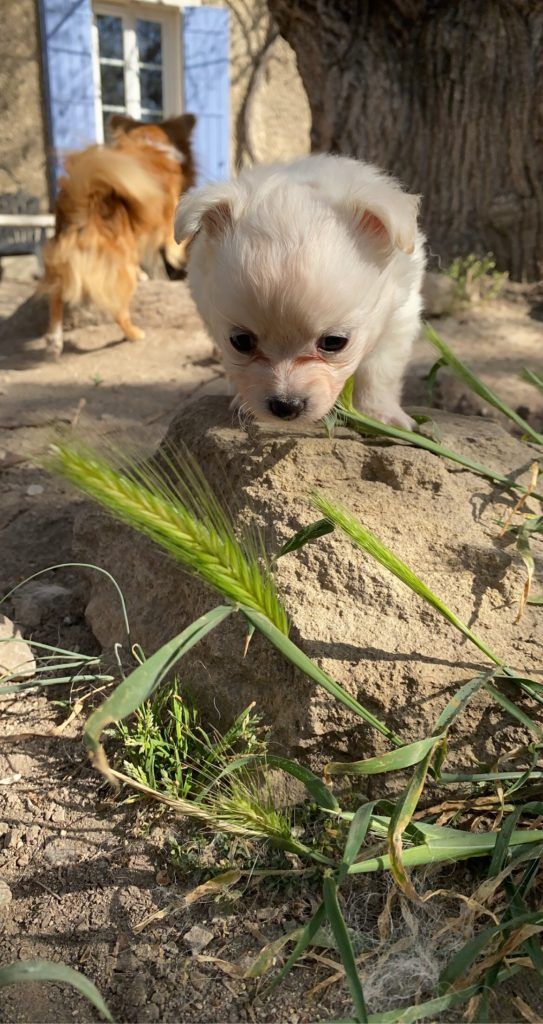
x,y
445,94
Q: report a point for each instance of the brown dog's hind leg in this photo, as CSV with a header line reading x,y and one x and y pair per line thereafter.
x,y
54,339
129,329
127,278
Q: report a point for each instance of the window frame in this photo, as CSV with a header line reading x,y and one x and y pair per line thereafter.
x,y
172,72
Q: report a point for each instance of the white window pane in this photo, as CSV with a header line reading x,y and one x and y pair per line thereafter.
x,y
110,36
151,89
112,80
149,36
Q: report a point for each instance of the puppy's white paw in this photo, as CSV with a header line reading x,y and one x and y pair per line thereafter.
x,y
389,413
399,418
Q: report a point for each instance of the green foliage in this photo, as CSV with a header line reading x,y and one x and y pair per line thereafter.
x,y
532,378
448,358
165,745
49,970
476,278
367,541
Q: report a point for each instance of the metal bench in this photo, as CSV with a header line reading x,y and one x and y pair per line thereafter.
x,y
23,229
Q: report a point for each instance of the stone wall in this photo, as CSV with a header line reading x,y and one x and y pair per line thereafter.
x,y
22,145
270,112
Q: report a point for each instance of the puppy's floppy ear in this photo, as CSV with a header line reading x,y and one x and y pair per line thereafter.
x,y
374,203
391,219
209,208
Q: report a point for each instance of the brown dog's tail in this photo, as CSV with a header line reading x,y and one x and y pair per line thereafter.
x,y
106,198
97,177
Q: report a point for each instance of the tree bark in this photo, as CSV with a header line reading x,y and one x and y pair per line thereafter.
x,y
445,94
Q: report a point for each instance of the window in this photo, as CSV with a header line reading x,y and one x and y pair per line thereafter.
x,y
137,64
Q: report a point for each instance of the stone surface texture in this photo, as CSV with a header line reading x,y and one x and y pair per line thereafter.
x,y
356,620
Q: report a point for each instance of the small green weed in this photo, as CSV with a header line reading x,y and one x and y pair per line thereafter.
x,y
476,278
59,973
166,747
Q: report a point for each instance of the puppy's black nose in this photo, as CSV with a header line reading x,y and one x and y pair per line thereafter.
x,y
287,409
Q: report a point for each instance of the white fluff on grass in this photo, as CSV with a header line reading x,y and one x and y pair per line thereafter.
x,y
409,943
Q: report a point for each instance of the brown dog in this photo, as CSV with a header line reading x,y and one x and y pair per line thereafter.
x,y
115,206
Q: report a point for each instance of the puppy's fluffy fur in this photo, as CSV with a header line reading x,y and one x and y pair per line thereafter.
x,y
291,255
115,206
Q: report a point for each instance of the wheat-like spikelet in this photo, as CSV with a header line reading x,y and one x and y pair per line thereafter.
x,y
234,808
187,521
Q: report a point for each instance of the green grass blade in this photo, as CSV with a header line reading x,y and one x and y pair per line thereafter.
x,y
268,954
501,847
393,761
461,698
49,970
346,413
304,536
431,377
515,711
477,385
532,378
304,940
357,833
432,1007
529,686
450,712
316,788
76,565
401,817
61,651
462,961
537,599
343,942
413,753
138,686
34,683
318,791
369,543
183,518
292,653
517,903
453,778
456,845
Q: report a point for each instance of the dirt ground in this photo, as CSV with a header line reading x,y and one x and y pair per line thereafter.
x,y
83,869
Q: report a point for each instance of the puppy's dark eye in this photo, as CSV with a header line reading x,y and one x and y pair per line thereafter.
x,y
332,343
243,341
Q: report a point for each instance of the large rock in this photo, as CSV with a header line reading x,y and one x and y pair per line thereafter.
x,y
370,633
16,658
42,600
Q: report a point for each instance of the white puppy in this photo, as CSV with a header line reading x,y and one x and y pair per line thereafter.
x,y
306,273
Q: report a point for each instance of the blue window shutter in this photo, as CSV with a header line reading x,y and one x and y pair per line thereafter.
x,y
206,87
66,34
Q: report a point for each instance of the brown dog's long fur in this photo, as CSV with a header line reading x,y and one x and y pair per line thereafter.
x,y
115,206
